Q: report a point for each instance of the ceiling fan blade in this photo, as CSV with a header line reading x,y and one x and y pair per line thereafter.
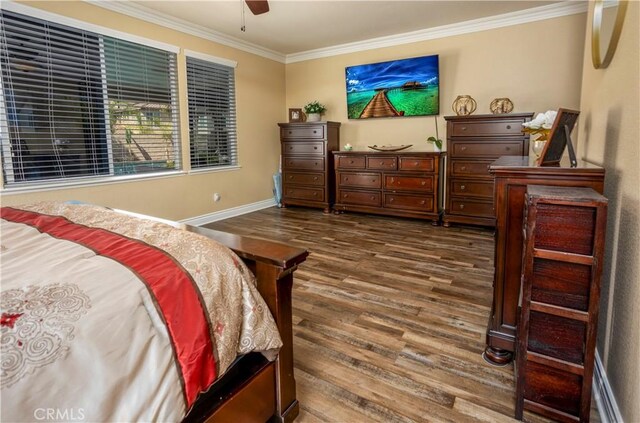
x,y
258,7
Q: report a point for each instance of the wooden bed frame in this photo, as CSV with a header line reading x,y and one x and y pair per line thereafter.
x,y
258,390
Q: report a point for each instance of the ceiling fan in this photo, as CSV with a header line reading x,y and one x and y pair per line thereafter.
x,y
258,7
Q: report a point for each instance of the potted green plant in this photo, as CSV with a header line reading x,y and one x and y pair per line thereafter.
x,y
313,111
437,142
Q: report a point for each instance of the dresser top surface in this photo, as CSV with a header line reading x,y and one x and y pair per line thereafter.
x,y
407,152
528,164
490,116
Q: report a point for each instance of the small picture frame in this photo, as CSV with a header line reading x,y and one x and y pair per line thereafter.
x,y
295,115
560,138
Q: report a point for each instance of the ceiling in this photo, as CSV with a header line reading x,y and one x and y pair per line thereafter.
x,y
293,27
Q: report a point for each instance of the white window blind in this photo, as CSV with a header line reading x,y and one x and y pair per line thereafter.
x,y
76,104
212,114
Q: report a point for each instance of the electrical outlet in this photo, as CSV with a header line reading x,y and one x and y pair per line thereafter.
x,y
216,197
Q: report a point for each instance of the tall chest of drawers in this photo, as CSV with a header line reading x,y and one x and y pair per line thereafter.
x,y
402,184
473,142
307,167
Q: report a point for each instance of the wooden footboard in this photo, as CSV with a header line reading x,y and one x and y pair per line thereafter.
x,y
273,264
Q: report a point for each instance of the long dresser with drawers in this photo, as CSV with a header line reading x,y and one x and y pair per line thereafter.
x,y
473,142
307,168
401,183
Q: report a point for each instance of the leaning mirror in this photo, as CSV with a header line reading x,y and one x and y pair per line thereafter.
x,y
608,16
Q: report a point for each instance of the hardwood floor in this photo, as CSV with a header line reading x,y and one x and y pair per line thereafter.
x,y
389,318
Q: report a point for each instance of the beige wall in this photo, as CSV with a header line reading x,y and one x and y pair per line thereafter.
x,y
609,128
260,104
537,65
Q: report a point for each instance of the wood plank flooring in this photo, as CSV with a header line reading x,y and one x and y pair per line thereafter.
x,y
389,318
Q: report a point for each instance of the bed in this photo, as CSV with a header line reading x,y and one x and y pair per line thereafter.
x,y
110,317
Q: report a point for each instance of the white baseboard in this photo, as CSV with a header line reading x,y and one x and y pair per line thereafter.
x,y
228,213
607,406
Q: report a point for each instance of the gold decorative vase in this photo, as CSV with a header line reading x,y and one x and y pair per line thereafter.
x,y
464,105
501,105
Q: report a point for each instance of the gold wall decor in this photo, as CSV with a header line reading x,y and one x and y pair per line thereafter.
x,y
501,105
464,105
605,30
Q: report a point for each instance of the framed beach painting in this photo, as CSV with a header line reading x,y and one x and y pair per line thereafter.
x,y
405,87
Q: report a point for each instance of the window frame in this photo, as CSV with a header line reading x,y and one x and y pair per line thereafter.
x,y
80,181
224,62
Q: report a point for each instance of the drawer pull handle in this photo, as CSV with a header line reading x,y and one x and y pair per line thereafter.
x,y
508,148
316,163
381,163
374,180
346,179
461,206
424,182
350,161
463,148
464,128
373,197
315,178
462,187
391,200
508,126
315,148
422,202
315,132
315,194
345,196
416,164
290,177
465,168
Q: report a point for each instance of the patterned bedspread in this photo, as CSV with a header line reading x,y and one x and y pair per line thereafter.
x,y
107,317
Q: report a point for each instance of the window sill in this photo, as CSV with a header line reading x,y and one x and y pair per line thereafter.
x,y
215,169
89,182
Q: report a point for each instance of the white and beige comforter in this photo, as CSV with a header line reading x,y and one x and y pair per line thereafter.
x,y
107,317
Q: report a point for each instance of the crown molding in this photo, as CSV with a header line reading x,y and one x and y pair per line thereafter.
x,y
564,8
555,10
168,21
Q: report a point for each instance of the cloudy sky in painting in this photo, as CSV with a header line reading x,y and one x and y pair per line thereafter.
x,y
392,74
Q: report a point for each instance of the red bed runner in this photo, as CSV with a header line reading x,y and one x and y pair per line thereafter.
x,y
177,297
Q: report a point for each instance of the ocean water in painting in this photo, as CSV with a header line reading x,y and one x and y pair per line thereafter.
x,y
408,87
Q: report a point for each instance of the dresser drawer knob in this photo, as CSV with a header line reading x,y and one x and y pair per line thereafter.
x,y
422,202
315,178
346,179
345,196
381,163
424,182
508,148
391,200
316,163
351,162
461,206
462,187
463,148
315,132
463,168
315,148
290,177
374,180
464,128
315,194
373,197
290,147
415,164
290,132
508,126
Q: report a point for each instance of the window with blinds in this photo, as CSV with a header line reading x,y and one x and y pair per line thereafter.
x,y
212,114
77,104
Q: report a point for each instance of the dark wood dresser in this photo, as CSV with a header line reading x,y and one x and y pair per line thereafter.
x,y
512,175
563,251
473,142
404,183
307,167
